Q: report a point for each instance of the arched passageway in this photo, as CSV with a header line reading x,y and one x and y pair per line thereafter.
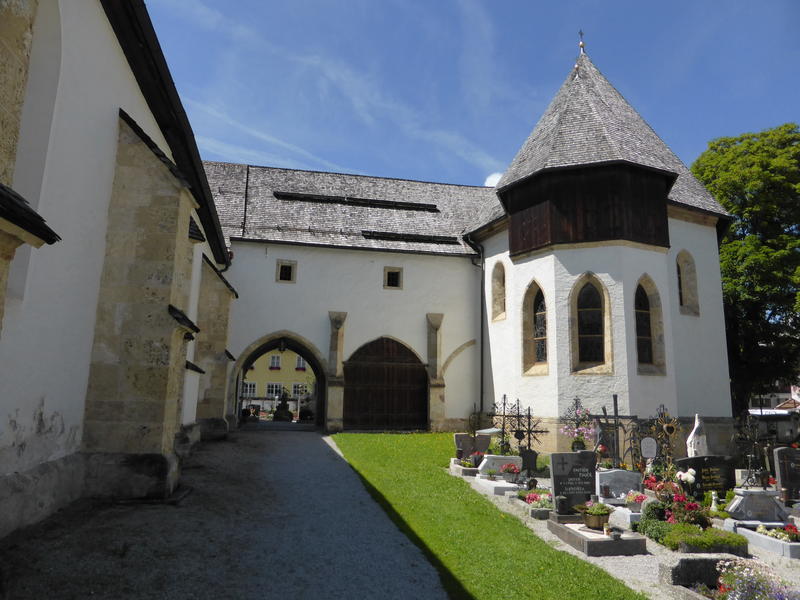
x,y
282,342
386,388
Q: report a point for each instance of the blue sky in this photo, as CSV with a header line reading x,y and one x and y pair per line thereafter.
x,y
448,90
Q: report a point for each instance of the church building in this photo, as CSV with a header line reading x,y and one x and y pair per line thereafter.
x,y
139,284
591,269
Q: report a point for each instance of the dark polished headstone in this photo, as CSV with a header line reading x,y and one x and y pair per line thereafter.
x,y
528,459
468,444
573,476
787,471
712,473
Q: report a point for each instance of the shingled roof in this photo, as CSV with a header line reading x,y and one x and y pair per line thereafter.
x,y
351,211
590,123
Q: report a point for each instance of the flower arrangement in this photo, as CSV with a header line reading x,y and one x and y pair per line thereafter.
x,y
785,534
465,462
684,511
650,482
539,500
747,579
491,474
579,426
635,497
510,468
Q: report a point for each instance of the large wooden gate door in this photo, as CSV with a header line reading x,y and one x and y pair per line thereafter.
x,y
385,387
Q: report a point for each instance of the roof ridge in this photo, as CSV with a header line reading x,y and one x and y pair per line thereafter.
x,y
608,136
225,162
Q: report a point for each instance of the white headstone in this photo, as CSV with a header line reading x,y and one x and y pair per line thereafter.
x,y
696,443
649,447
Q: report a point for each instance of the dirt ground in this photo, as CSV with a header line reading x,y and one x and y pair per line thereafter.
x,y
271,514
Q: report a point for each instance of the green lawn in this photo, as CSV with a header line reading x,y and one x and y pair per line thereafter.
x,y
480,552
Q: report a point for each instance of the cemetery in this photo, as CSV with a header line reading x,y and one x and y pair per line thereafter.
x,y
627,489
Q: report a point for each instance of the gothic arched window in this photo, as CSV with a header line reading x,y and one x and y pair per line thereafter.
x,y
534,331
644,332
591,346
540,327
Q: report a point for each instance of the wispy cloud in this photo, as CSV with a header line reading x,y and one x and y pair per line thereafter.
x,y
221,117
369,103
213,148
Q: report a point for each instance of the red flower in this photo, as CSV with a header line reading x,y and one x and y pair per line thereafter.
x,y
772,481
679,498
795,445
692,506
791,529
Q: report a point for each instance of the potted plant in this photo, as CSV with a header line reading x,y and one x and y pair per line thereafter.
x,y
540,504
595,514
510,471
633,501
476,458
491,474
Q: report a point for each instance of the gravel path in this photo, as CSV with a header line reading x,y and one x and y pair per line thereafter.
x,y
272,514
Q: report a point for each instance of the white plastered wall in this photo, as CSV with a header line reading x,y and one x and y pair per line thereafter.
x,y
351,281
701,361
619,268
46,343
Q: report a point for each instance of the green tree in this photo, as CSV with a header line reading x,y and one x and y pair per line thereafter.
x,y
756,177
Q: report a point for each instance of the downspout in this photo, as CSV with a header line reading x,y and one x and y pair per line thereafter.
x,y
478,247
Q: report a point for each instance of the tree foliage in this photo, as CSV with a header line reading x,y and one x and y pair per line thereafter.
x,y
756,177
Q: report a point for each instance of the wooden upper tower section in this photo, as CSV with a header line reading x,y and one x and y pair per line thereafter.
x,y
593,170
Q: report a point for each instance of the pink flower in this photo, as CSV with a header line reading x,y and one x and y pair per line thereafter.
x,y
692,506
679,498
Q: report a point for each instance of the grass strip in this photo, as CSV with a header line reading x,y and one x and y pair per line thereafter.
x,y
480,552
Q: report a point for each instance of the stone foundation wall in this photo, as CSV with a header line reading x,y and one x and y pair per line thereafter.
x,y
212,319
16,29
133,402
32,495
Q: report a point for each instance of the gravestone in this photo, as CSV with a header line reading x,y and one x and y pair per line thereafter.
x,y
648,447
528,460
619,482
495,461
787,471
712,473
573,477
468,444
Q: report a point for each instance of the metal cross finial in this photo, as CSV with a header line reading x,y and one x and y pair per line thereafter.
x,y
581,45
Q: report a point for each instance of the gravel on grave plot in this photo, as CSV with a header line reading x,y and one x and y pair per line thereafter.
x,y
272,514
639,572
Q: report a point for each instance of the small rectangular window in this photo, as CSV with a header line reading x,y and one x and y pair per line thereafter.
x,y
393,278
275,362
301,364
274,389
299,390
248,389
286,271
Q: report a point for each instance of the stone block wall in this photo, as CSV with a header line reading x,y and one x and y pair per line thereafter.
x,y
212,341
139,352
16,27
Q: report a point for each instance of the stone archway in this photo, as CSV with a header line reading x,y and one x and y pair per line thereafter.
x,y
289,341
385,388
